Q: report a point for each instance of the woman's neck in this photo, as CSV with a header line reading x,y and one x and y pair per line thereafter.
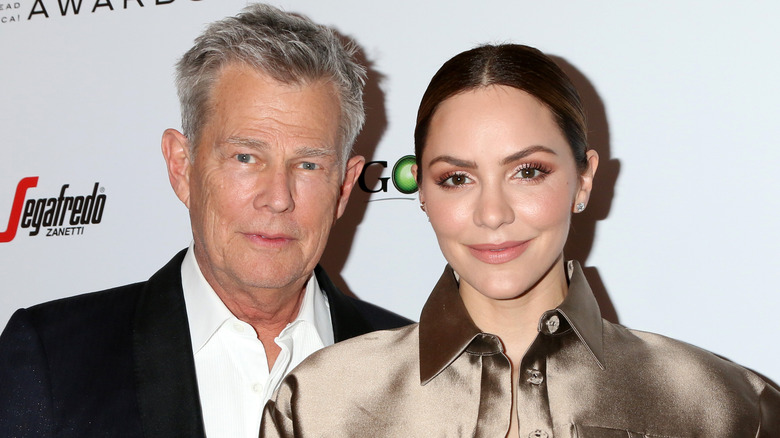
x,y
516,320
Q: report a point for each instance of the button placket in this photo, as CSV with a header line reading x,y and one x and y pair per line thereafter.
x,y
495,394
534,418
553,323
535,377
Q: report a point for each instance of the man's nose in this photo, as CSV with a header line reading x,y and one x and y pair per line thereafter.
x,y
275,191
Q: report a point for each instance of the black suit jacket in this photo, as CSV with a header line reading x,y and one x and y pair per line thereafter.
x,y
118,363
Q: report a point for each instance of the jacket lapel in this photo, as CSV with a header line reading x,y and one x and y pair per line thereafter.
x,y
347,321
166,383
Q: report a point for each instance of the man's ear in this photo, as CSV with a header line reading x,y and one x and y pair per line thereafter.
x,y
586,179
354,168
175,150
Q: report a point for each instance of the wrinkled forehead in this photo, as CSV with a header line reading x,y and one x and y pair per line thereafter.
x,y
243,99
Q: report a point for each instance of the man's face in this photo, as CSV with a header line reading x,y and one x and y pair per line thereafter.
x,y
265,185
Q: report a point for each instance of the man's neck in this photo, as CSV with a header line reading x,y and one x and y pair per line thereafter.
x,y
268,311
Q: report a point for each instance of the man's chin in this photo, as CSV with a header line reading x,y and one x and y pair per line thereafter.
x,y
267,278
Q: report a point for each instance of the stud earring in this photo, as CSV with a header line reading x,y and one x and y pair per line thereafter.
x,y
579,208
422,207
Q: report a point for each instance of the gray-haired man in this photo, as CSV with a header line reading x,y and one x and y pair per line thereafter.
x,y
271,105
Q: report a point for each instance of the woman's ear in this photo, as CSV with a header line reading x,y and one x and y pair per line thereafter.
x,y
586,181
419,189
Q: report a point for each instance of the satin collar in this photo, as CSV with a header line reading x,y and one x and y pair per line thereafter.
x,y
446,329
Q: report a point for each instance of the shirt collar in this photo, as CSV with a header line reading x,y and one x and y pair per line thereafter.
x,y
446,328
581,310
315,311
206,312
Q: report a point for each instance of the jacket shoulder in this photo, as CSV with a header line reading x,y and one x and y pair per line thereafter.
x,y
104,308
380,318
75,323
115,300
714,373
353,317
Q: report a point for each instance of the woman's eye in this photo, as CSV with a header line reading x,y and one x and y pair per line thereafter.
x,y
455,180
309,166
459,179
529,173
532,172
245,158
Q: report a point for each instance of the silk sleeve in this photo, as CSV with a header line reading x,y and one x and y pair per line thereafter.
x,y
769,403
278,417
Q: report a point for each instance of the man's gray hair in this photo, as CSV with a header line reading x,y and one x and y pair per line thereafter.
x,y
291,49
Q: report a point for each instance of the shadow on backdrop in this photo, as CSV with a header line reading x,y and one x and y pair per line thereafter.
x,y
583,226
343,233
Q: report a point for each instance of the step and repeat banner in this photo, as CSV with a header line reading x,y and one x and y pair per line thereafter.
x,y
681,237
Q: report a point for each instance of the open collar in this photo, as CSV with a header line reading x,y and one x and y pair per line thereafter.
x,y
206,312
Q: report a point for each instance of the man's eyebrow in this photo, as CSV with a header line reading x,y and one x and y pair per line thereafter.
x,y
303,151
312,152
249,142
454,161
526,152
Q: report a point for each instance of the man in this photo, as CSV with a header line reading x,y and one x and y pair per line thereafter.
x,y
271,104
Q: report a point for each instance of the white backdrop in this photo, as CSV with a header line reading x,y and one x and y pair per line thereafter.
x,y
681,237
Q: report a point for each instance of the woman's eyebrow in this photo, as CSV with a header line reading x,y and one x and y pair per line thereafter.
x,y
526,152
454,161
512,158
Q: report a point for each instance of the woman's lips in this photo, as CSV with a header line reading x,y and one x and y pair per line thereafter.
x,y
498,253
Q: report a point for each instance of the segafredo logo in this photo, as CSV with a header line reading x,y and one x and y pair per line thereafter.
x,y
65,214
372,179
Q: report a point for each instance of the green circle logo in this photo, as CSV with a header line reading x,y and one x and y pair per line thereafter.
x,y
403,180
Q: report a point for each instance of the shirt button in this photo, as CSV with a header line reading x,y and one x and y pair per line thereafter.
x,y
238,327
535,377
552,323
257,387
538,434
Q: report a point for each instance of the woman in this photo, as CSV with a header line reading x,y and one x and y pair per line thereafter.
x,y
511,341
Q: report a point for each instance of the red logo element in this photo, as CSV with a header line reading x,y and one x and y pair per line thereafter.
x,y
16,209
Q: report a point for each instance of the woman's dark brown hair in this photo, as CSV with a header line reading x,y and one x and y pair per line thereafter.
x,y
512,65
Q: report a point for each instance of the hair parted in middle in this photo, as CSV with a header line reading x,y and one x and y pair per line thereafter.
x,y
289,48
513,65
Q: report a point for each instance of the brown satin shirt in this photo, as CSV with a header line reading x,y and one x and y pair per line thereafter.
x,y
582,377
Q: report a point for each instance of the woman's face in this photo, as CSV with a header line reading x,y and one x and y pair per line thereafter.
x,y
499,185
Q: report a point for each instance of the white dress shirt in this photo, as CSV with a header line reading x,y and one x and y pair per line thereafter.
x,y
230,362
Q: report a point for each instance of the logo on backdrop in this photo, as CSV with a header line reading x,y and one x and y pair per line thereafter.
x,y
372,180
16,11
65,214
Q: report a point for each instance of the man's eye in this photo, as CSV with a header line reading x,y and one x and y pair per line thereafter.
x,y
309,165
245,158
